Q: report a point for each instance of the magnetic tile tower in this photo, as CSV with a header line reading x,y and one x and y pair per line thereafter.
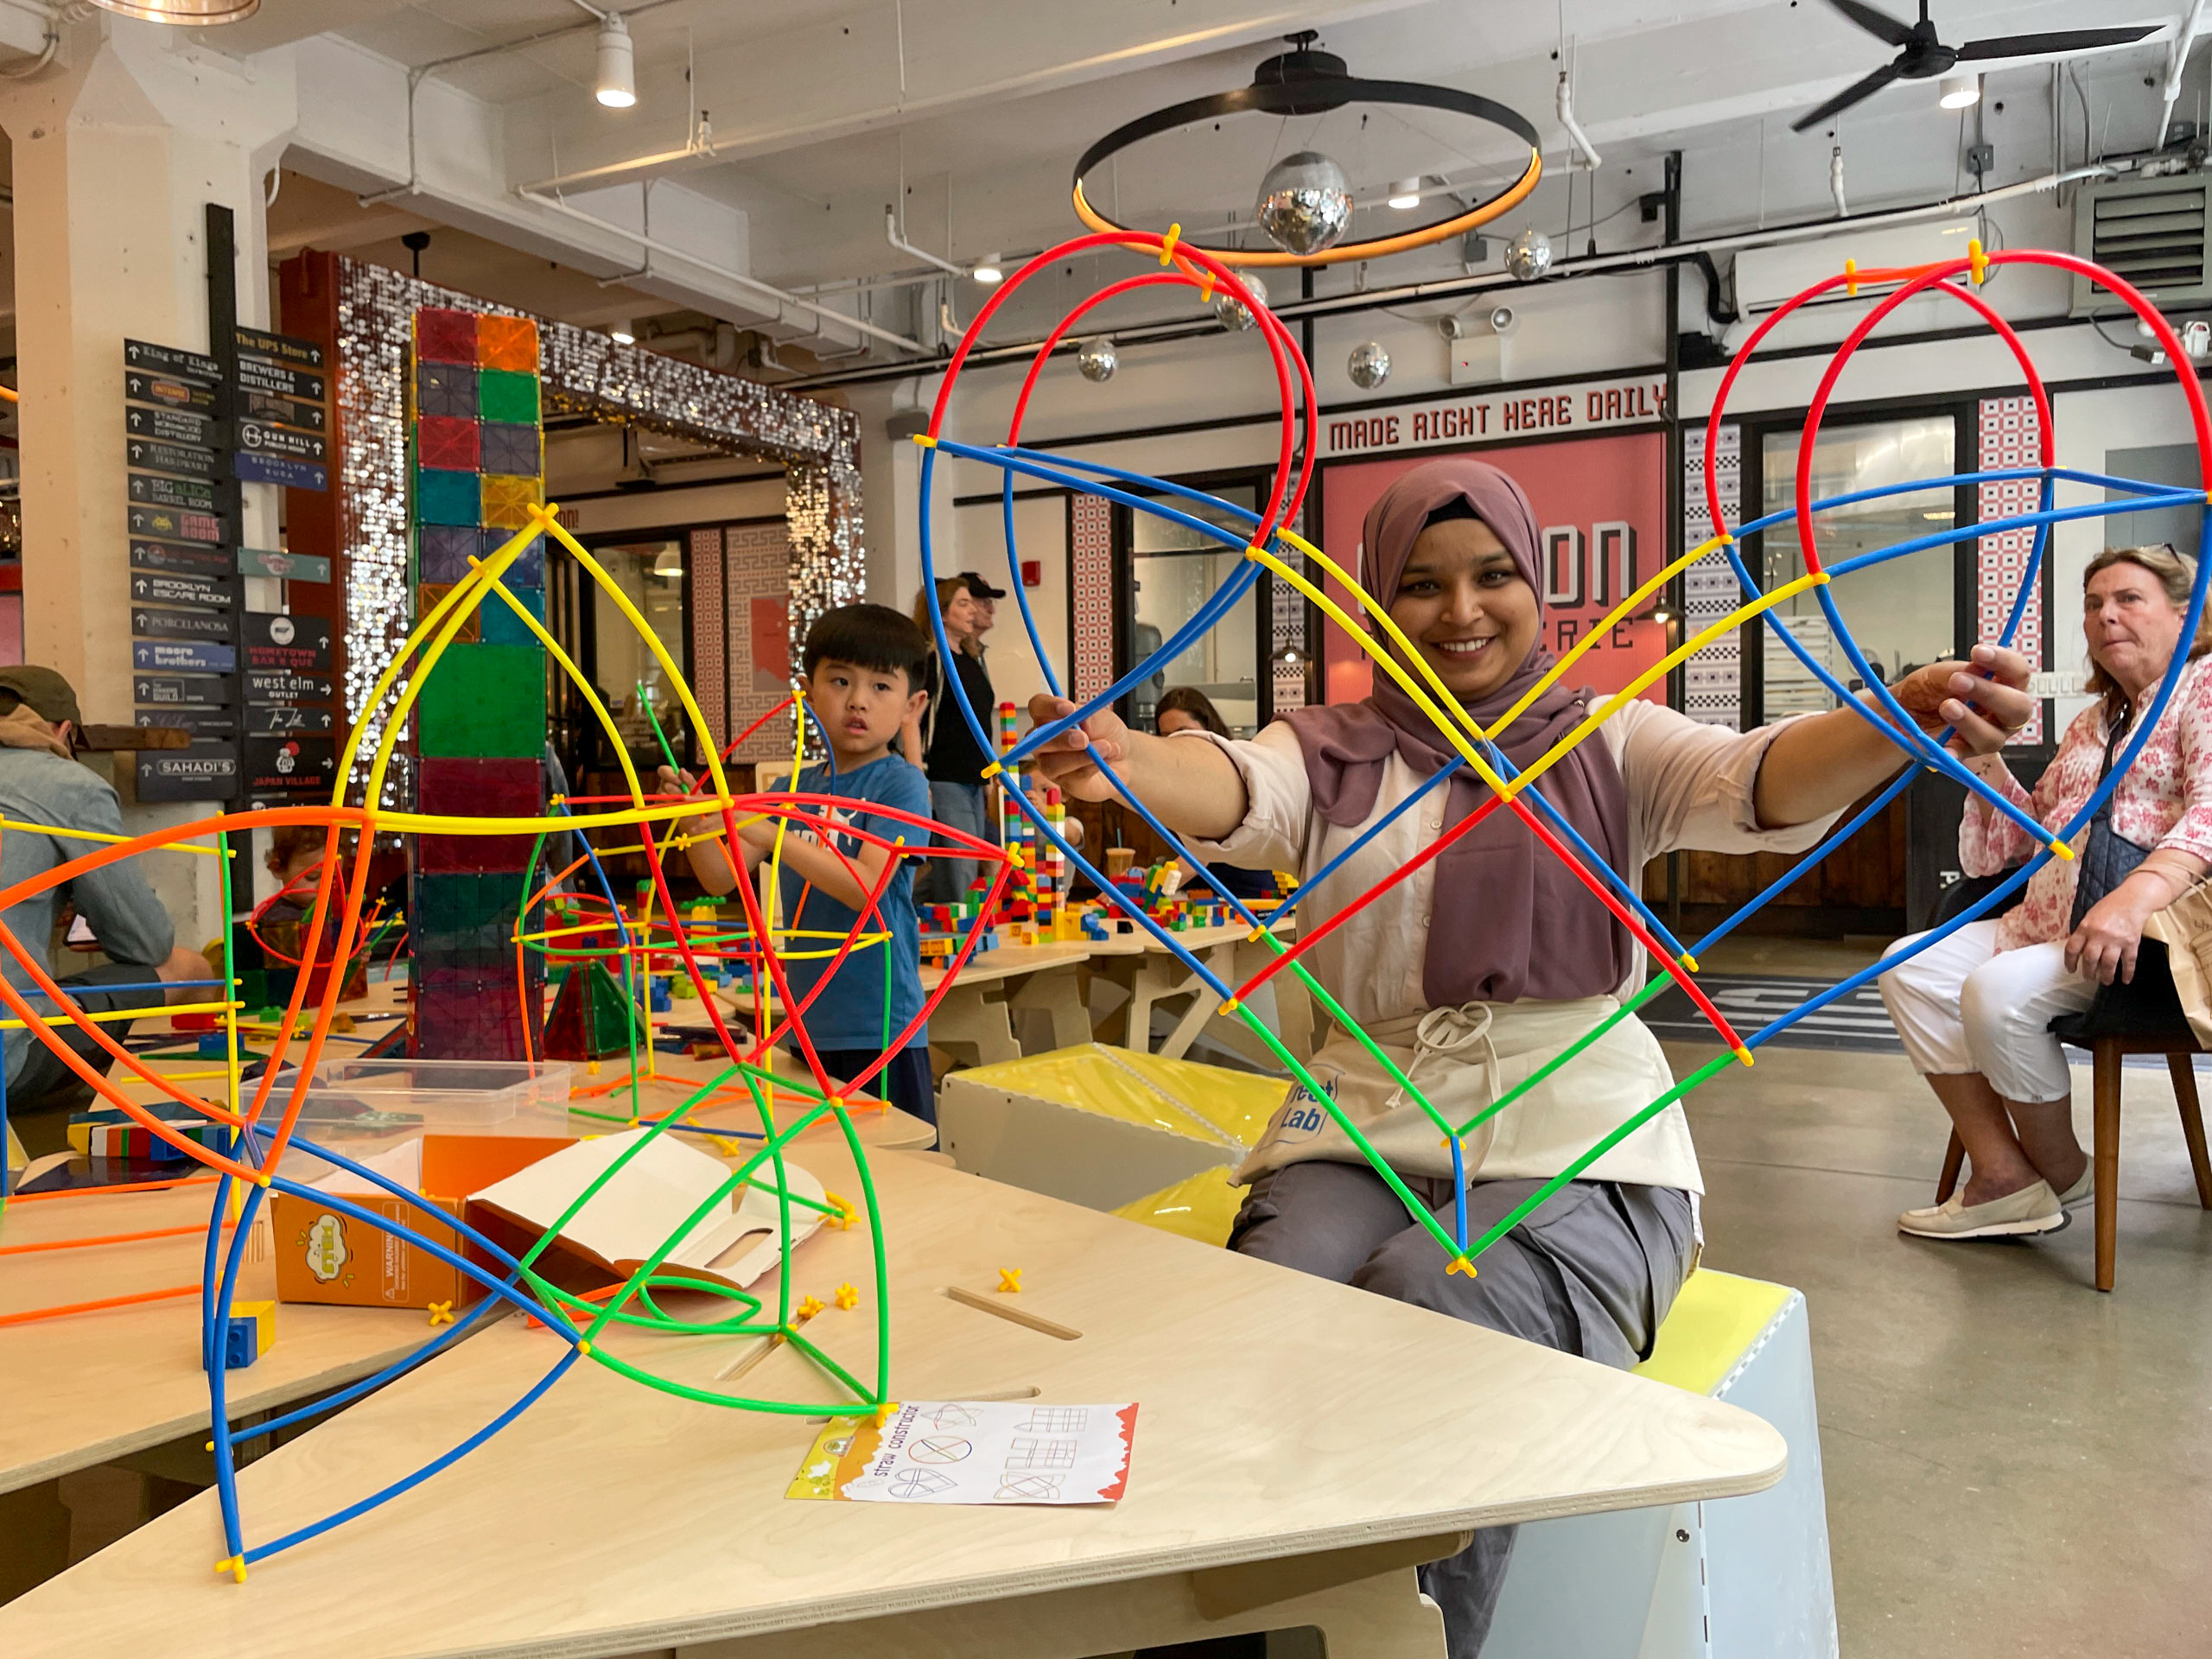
x,y
479,735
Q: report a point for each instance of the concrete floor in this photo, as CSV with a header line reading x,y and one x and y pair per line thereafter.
x,y
2014,1463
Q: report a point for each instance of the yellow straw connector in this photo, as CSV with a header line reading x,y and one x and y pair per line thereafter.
x,y
1744,1054
924,440
233,1565
583,1348
1688,961
1460,1264
885,1412
1231,1006
993,770
1206,288
1850,278
2060,849
1167,245
1977,261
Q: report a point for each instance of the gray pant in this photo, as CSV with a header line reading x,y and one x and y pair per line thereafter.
x,y
956,806
40,1078
1592,1271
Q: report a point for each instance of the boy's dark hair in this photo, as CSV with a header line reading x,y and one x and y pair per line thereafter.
x,y
867,636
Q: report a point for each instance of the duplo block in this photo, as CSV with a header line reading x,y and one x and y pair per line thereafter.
x,y
247,1334
484,700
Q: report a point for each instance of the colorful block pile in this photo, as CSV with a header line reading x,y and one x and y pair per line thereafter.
x,y
480,722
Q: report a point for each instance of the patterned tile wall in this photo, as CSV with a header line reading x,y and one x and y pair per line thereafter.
x,y
1714,690
1090,562
2011,437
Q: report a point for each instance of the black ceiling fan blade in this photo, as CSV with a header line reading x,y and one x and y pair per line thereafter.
x,y
2058,43
1849,96
1879,24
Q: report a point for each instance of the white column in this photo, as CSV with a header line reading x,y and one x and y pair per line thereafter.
x,y
117,148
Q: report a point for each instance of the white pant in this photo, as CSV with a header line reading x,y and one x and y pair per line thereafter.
x,y
1962,1004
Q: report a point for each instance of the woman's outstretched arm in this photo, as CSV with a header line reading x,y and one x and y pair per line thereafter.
x,y
1187,782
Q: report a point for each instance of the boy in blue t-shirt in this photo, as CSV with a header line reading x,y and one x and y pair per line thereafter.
x,y
863,665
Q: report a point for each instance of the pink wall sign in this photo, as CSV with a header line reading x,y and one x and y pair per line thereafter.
x,y
1601,503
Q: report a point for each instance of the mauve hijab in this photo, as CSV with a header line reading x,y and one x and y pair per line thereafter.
x,y
1497,889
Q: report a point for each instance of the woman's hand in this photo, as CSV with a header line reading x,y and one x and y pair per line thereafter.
x,y
1070,760
2104,947
1985,698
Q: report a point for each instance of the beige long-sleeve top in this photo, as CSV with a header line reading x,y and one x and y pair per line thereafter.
x,y
1690,786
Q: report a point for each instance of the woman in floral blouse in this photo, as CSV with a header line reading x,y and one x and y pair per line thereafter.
x,y
1974,1008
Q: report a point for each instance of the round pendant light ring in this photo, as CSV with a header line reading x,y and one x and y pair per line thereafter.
x,y
1309,95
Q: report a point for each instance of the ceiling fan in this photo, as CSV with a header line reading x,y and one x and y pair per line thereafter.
x,y
1921,56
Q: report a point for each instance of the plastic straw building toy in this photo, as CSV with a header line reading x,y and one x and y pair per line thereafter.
x,y
489,600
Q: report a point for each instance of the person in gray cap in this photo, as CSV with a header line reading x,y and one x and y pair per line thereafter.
x,y
41,783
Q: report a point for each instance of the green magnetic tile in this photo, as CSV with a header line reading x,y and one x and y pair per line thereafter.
x,y
505,395
448,498
484,700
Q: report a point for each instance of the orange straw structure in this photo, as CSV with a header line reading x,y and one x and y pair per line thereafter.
x,y
34,1314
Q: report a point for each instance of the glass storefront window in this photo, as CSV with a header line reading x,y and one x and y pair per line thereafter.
x,y
651,576
1902,612
1174,570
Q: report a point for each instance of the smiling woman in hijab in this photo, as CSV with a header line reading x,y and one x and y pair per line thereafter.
x,y
1475,969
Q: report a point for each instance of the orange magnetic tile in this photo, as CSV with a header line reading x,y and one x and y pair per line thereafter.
x,y
430,593
507,500
506,343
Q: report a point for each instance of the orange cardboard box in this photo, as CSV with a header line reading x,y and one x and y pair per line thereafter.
x,y
325,1255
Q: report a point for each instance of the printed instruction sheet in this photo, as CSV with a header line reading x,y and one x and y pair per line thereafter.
x,y
973,1452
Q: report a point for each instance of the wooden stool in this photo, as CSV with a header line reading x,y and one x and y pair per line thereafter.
x,y
2110,1033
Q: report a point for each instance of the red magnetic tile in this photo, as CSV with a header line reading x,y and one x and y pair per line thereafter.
x,y
445,336
447,441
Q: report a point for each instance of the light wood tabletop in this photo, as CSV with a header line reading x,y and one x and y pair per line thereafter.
x,y
1280,1416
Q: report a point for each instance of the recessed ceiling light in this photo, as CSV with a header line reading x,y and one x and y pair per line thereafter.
x,y
622,334
616,84
1959,92
183,12
990,270
1405,195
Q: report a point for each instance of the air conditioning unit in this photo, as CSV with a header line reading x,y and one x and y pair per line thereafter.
x,y
2152,232
1766,277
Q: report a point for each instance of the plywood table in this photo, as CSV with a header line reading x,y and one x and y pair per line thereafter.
x,y
996,991
1299,1446
1151,974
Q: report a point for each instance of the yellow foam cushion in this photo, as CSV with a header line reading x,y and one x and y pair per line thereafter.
x,y
1201,1206
1713,1323
1202,1103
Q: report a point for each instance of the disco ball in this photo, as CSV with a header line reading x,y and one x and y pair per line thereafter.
x,y
1304,204
1097,360
1235,315
1530,256
1369,365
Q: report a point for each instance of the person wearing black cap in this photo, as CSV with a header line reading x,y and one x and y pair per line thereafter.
x,y
942,745
41,783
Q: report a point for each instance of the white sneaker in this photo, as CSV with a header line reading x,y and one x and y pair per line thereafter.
x,y
2034,1209
2082,1190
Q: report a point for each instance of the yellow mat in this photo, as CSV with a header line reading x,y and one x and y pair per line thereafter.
x,y
1203,1103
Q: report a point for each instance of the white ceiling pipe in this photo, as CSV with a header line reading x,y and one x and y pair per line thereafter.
x,y
828,313
891,235
2176,61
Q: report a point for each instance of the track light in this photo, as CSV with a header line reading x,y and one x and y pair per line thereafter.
x,y
1405,195
1961,92
616,85
989,271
